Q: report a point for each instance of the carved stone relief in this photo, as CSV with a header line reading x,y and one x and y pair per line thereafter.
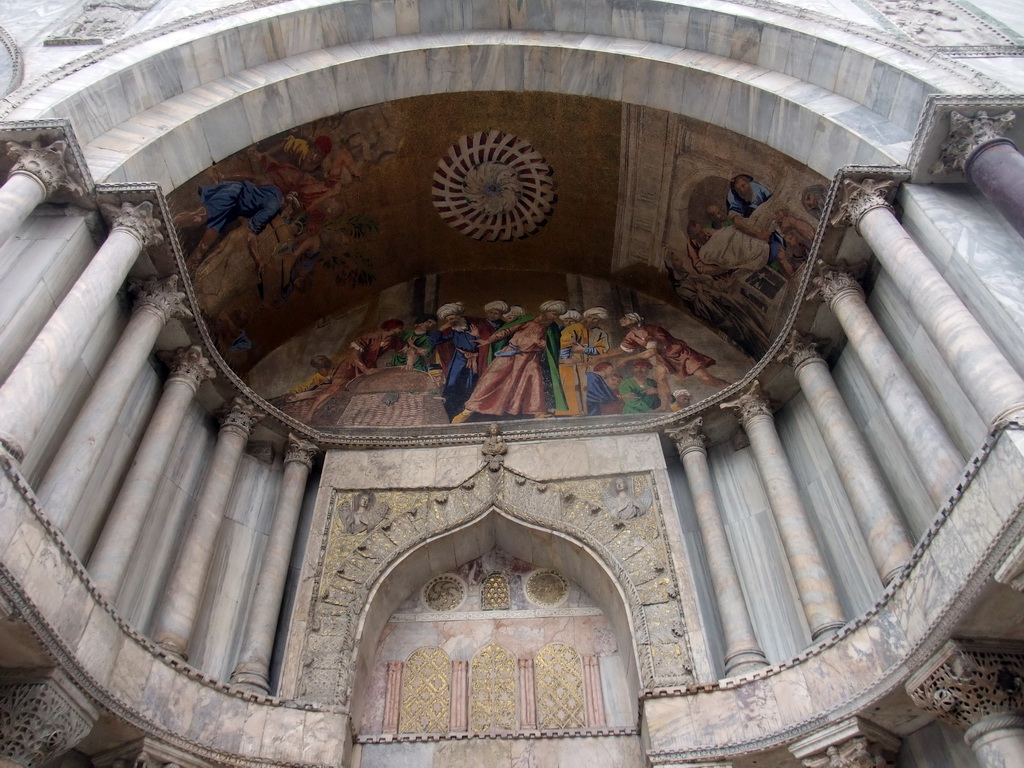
x,y
633,549
100,21
940,23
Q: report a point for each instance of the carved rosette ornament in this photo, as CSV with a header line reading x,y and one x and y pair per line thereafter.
x,y
300,452
751,405
161,297
966,682
800,351
137,220
240,417
188,365
689,437
46,164
40,719
860,197
969,134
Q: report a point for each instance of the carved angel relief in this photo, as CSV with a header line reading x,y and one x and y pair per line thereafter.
x,y
362,513
626,499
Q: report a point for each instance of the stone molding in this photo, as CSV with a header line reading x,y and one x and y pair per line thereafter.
x,y
800,351
48,164
566,733
188,365
860,197
240,416
969,680
41,716
968,135
751,405
140,221
161,297
300,451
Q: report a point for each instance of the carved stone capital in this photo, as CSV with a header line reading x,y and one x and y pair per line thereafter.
x,y
800,351
689,437
240,417
850,743
966,681
188,365
147,752
137,220
41,716
859,197
835,284
161,297
300,451
967,135
750,405
47,164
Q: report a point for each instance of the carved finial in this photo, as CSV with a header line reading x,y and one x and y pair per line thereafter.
x,y
689,437
494,448
161,297
799,351
240,416
859,197
138,220
188,364
47,164
750,405
300,451
967,135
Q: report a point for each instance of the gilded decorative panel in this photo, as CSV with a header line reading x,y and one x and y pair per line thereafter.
x,y
492,697
546,588
426,692
494,593
558,680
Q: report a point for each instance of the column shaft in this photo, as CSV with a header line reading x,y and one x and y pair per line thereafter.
x,y
253,667
19,196
393,697
937,461
460,696
876,511
997,740
177,614
992,384
527,699
31,391
742,653
997,169
592,686
113,552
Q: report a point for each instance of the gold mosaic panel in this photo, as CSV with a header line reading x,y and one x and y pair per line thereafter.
x,y
444,593
494,593
546,588
426,692
492,696
558,680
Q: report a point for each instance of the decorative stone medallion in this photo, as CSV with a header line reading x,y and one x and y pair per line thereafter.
x,y
494,186
444,593
546,588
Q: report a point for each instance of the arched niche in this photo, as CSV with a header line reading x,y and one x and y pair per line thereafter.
x,y
534,544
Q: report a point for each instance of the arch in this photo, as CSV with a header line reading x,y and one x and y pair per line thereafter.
x,y
426,692
492,690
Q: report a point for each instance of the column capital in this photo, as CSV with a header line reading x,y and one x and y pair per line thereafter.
x,y
850,743
835,284
188,365
240,417
859,197
689,437
800,351
46,163
161,297
300,451
750,405
139,221
967,135
968,681
44,716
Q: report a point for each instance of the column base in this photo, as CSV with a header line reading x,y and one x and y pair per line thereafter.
x,y
827,629
745,661
173,646
251,678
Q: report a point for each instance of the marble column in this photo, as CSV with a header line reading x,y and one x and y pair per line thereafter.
x,y
592,690
994,387
938,463
527,698
253,668
977,686
38,172
176,615
459,722
393,697
873,505
120,535
852,743
742,653
62,489
813,581
977,145
32,389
